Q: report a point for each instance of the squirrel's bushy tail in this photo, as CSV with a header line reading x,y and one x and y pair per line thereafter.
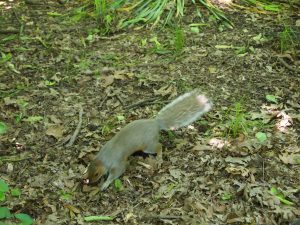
x,y
183,111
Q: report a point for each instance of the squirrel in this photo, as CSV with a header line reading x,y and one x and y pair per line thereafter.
x,y
143,135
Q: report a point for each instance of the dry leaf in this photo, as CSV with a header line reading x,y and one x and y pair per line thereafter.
x,y
107,80
55,131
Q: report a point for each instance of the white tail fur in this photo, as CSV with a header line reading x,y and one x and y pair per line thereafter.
x,y
183,110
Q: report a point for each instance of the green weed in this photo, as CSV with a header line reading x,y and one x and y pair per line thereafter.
x,y
238,122
288,39
100,8
6,217
104,13
106,129
3,128
179,40
23,108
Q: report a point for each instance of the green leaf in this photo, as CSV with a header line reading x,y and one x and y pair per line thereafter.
x,y
274,8
4,213
3,128
262,137
2,196
97,218
3,186
278,194
226,196
120,118
25,219
15,192
195,30
5,57
33,119
65,195
9,38
54,14
118,185
49,83
271,98
240,50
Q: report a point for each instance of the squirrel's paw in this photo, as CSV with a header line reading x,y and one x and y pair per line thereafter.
x,y
159,161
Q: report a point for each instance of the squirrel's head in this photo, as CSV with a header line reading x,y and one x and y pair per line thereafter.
x,y
94,172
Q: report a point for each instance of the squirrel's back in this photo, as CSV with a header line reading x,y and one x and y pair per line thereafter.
x,y
183,111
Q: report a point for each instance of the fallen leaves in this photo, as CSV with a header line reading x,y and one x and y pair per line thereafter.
x,y
55,131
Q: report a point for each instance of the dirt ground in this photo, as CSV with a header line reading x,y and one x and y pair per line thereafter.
x,y
216,172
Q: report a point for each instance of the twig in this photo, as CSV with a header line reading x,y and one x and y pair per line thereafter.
x,y
287,65
115,37
141,103
76,132
20,22
100,106
162,217
15,158
120,100
9,31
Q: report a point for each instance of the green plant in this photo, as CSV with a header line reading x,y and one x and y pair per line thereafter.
x,y
261,137
65,195
179,40
118,185
3,189
264,5
216,13
105,14
158,48
238,121
78,13
100,8
288,39
105,129
5,213
5,57
3,128
278,194
98,218
226,196
153,11
22,106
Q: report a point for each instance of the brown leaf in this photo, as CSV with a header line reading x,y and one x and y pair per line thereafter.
x,y
72,208
107,80
55,131
287,158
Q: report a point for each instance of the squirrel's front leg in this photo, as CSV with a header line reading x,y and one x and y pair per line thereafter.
x,y
113,174
159,154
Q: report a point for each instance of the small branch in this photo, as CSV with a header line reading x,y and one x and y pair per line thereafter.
x,y
162,217
288,66
14,158
9,31
141,103
100,106
120,100
76,132
117,36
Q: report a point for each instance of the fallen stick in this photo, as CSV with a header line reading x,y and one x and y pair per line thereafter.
x,y
76,132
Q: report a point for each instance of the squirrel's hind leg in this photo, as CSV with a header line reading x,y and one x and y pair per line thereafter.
x,y
114,173
155,149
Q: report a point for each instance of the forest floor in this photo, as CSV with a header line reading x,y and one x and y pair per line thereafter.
x,y
238,164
